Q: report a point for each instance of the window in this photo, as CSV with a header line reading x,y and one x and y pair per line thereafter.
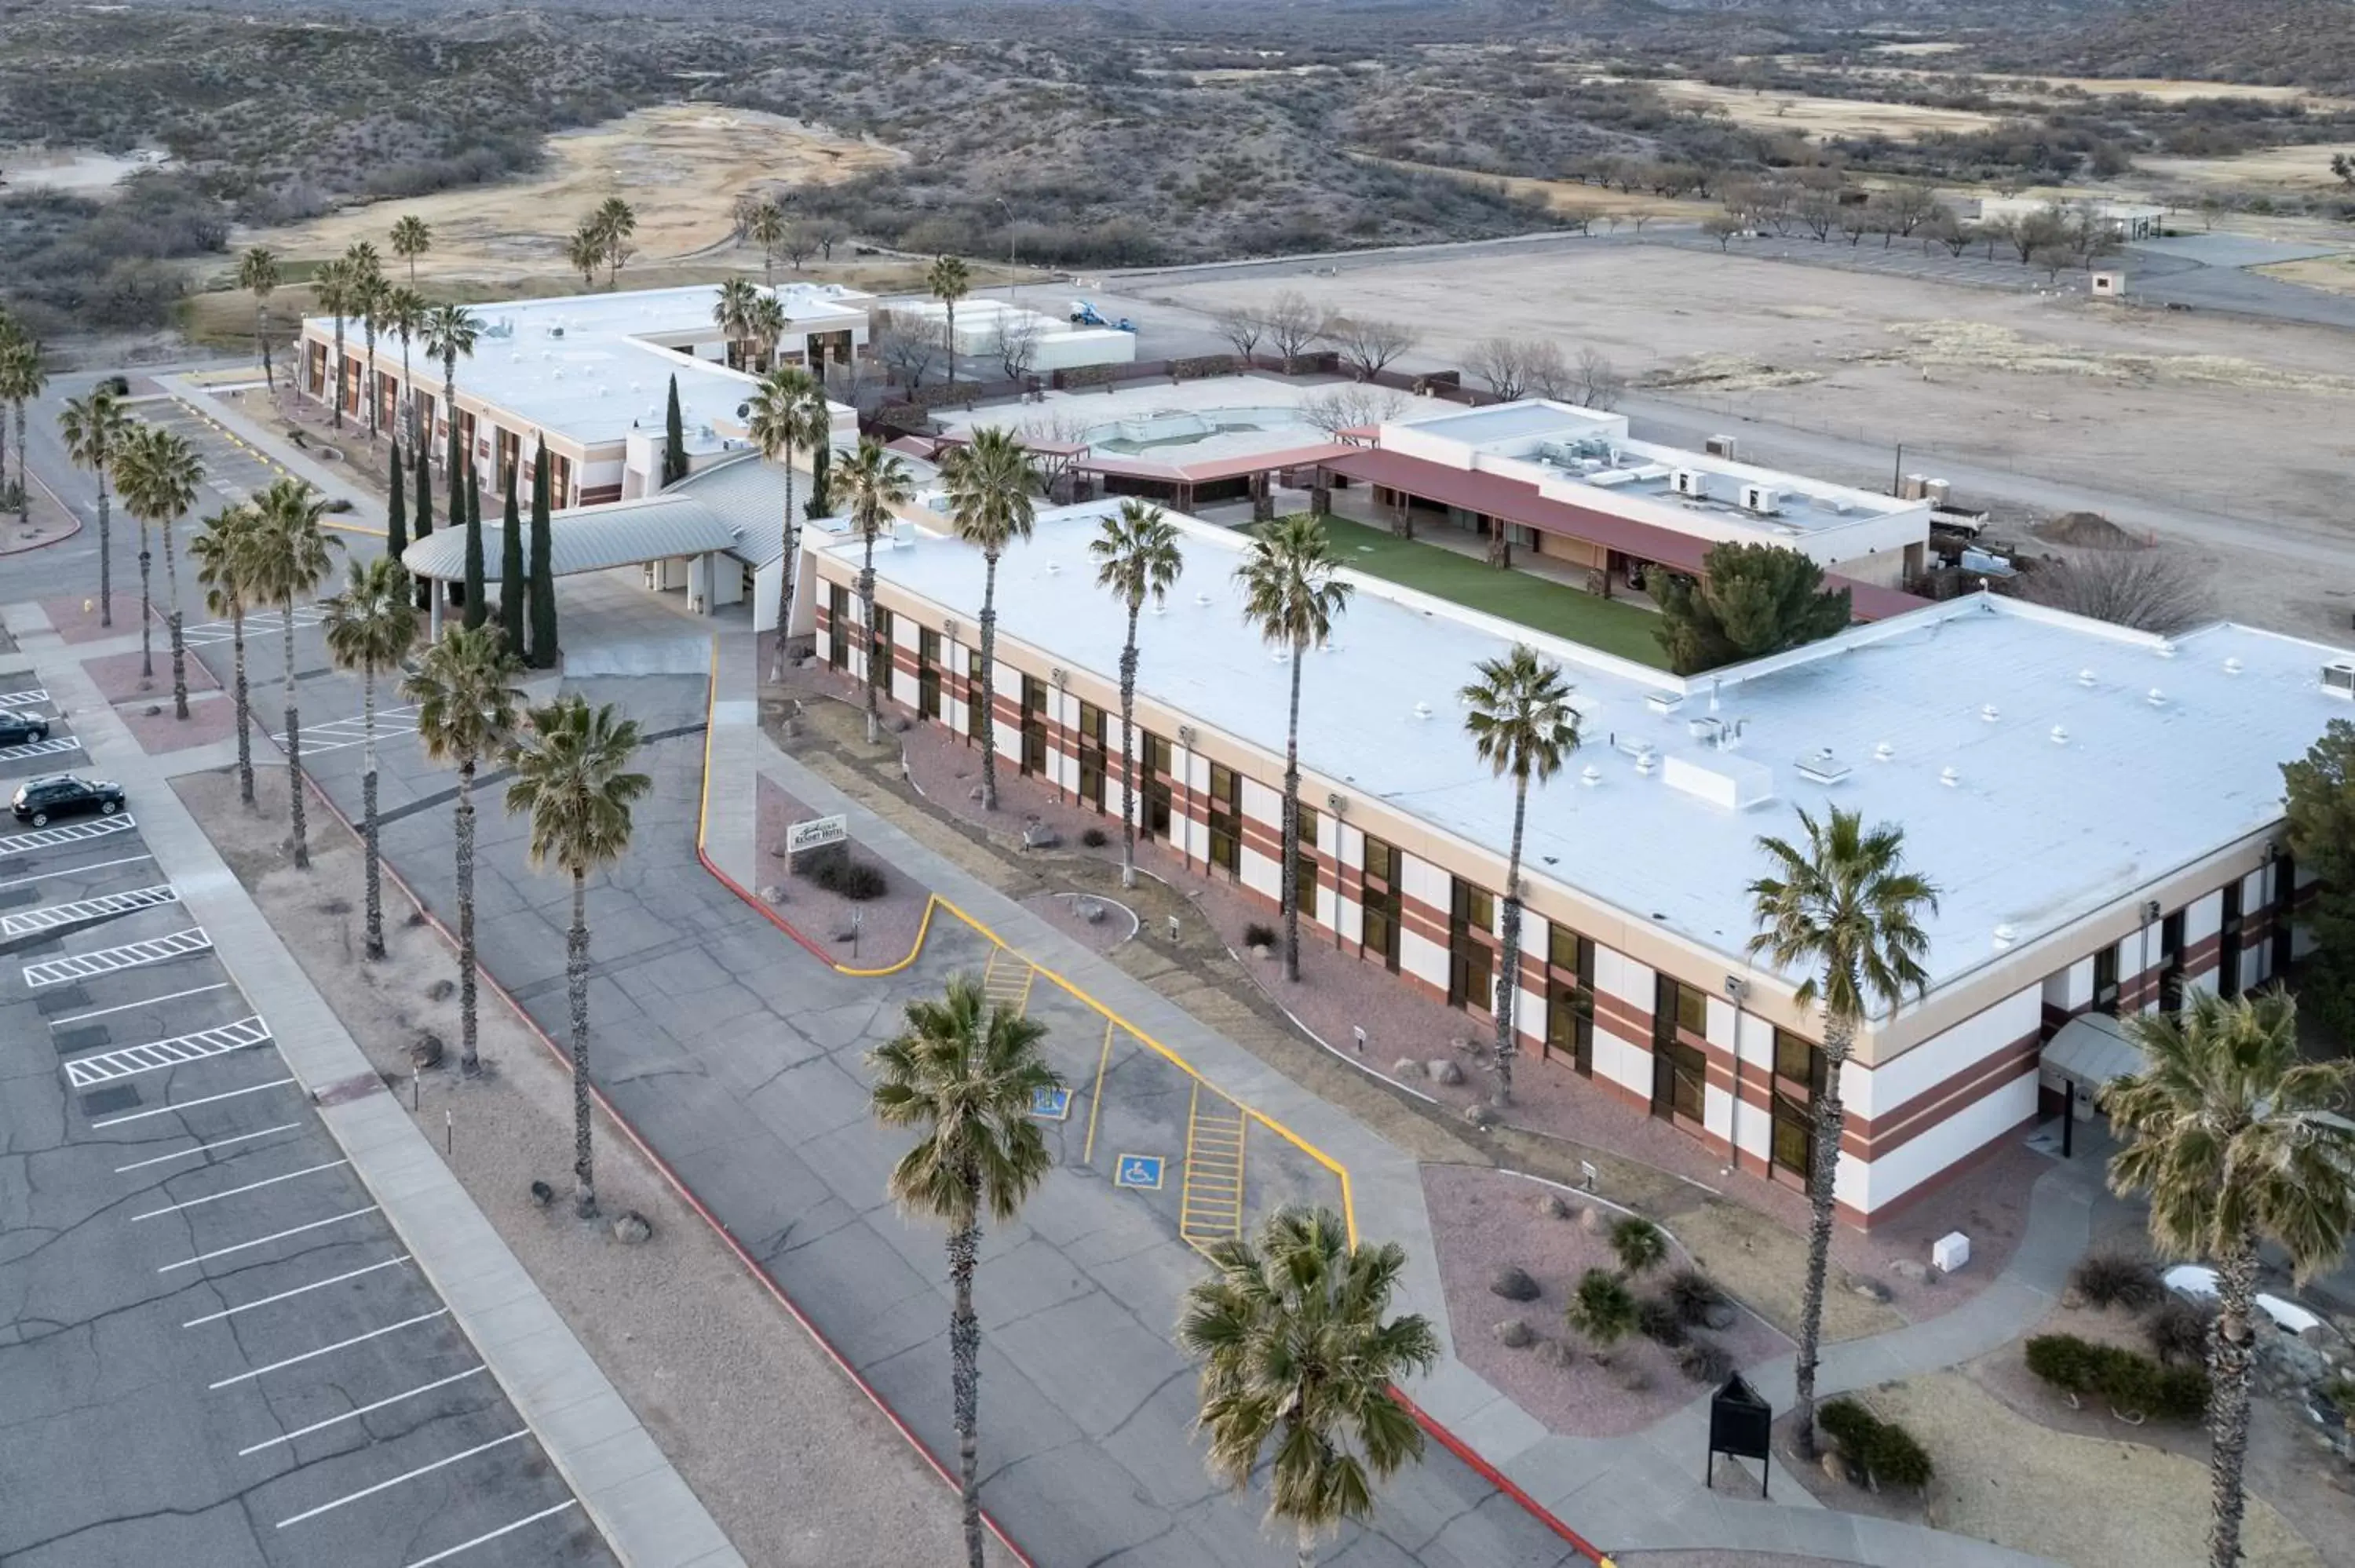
x,y
1307,864
2170,963
1471,964
1680,1067
2105,981
1159,764
928,673
1034,725
1226,820
1570,993
1799,1060
1472,908
838,626
1091,755
1801,1074
1381,904
878,649
2228,972
976,699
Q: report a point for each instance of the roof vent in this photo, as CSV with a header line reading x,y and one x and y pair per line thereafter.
x,y
1276,655
1053,567
2339,679
1989,713
1203,600
1885,752
1645,762
2085,677
2156,697
2004,936
1822,766
2233,666
1949,778
1590,776
1423,710
1664,702
2165,648
2060,735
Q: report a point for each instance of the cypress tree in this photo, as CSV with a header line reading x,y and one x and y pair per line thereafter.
x,y
543,570
424,519
477,610
821,500
674,464
396,508
457,510
513,587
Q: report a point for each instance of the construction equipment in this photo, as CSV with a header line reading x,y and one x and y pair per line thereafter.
x,y
1083,313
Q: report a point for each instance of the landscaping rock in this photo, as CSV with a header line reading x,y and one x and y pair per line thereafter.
x,y
1444,1070
773,894
1514,1334
1406,1067
1634,1379
425,1049
1718,1315
1513,1284
441,990
1039,836
1834,1467
1914,1269
2285,1361
1480,1115
1592,1221
1864,1284
1554,1206
2072,1299
542,1193
974,793
1559,1355
632,1228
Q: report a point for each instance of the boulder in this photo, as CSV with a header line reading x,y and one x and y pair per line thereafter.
x,y
773,894
1514,1334
1835,1465
1632,1377
425,1050
1554,1206
1480,1115
1039,836
1559,1355
1513,1284
1718,1315
542,1193
1406,1067
441,990
1592,1221
1914,1269
1444,1070
632,1228
1864,1284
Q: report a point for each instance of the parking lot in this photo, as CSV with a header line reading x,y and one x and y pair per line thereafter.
x,y
234,471
214,1350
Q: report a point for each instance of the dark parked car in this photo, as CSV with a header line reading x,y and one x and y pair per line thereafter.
x,y
15,729
63,795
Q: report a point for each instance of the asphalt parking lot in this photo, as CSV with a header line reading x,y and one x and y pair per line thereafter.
x,y
214,1350
234,471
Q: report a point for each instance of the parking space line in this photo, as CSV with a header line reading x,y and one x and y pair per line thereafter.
x,y
26,922
51,838
1096,1096
185,1105
264,1241
298,1290
130,1061
77,870
49,748
125,1007
233,1191
207,1148
107,961
18,699
444,1555
410,1476
364,1410
328,1350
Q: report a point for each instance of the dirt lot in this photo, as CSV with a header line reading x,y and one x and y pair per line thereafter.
x,y
1821,118
2306,168
1570,195
681,165
2336,273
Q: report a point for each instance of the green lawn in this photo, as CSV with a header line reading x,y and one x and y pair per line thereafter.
x,y
1533,602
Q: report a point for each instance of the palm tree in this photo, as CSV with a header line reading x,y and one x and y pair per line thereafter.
x,y
451,332
1845,909
572,777
287,556
2239,1143
768,322
257,273
331,285
989,483
966,1074
584,252
616,221
369,628
223,557
93,425
158,472
1293,593
1137,559
948,281
411,236
766,230
1522,724
789,414
466,705
1298,1353
404,311
368,297
732,312
875,480
22,378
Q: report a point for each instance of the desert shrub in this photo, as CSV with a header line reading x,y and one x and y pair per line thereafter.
x,y
2064,1360
1094,838
1638,1243
1692,1293
2177,1332
1705,1362
836,869
1259,934
1887,1453
2117,1279
1657,1320
1603,1308
2132,1385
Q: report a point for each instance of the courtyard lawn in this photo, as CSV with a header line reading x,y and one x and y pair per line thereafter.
x,y
1624,630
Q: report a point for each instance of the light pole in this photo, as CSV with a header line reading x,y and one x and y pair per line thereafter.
x,y
1012,296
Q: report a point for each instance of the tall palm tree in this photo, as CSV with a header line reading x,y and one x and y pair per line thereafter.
x,y
2239,1143
451,332
874,481
93,425
948,281
466,702
768,322
22,378
257,274
1137,559
1293,592
965,1073
1298,1352
584,252
616,220
367,302
572,777
411,236
404,311
224,562
369,628
767,229
990,479
732,312
331,286
288,556
789,416
157,473
1844,908
1522,723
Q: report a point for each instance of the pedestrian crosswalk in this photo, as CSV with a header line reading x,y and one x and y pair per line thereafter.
x,y
259,623
1006,979
51,916
87,1071
106,961
1210,1204
337,734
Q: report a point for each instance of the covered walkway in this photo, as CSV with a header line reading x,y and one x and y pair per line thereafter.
x,y
659,532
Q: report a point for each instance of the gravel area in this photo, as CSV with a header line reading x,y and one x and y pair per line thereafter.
x,y
795,1464
1116,922
210,719
76,619
887,925
1486,1220
119,681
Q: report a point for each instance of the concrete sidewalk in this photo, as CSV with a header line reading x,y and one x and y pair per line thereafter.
x,y
639,1502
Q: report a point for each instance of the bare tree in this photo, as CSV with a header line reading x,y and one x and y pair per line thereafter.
x,y
1600,383
827,233
1352,408
2149,590
1016,342
1818,210
907,344
1547,372
1293,323
1057,442
796,243
1241,327
1367,346
1906,207
2052,256
1722,227
1503,363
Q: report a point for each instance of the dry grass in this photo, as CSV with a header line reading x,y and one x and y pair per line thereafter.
x,y
1566,195
2335,273
1821,117
2306,168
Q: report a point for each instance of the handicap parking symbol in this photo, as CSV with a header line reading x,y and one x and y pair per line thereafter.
x,y
1050,1105
1138,1170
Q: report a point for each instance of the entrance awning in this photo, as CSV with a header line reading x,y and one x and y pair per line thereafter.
x,y
2092,1049
585,539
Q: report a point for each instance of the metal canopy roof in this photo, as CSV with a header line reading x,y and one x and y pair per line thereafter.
x,y
588,539
2092,1048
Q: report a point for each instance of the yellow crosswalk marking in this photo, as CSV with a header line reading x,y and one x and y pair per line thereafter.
x,y
1006,979
1210,1203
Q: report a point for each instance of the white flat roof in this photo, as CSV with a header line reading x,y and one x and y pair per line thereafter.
x,y
580,365
2088,761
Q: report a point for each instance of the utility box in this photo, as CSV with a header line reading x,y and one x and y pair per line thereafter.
x,y
1951,1252
2109,285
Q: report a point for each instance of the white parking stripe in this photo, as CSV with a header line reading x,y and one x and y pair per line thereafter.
x,y
151,1001
444,1556
363,1410
233,1191
330,1350
185,1105
49,748
48,916
410,1476
77,870
51,838
23,698
264,1241
207,1148
298,1290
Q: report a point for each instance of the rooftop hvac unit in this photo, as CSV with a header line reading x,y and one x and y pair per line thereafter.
x,y
1763,499
2339,679
1687,482
1912,487
1719,447
557,331
1664,702
1935,491
1822,766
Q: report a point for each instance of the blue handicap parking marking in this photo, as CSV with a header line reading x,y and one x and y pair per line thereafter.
x,y
1050,1105
1138,1170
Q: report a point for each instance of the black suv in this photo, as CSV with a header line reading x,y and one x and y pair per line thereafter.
x,y
15,729
63,795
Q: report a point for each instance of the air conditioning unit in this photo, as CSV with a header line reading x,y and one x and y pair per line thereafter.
x,y
2339,679
1687,482
1763,499
1719,447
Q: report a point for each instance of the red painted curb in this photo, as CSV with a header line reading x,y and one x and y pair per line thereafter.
x,y
1496,1478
